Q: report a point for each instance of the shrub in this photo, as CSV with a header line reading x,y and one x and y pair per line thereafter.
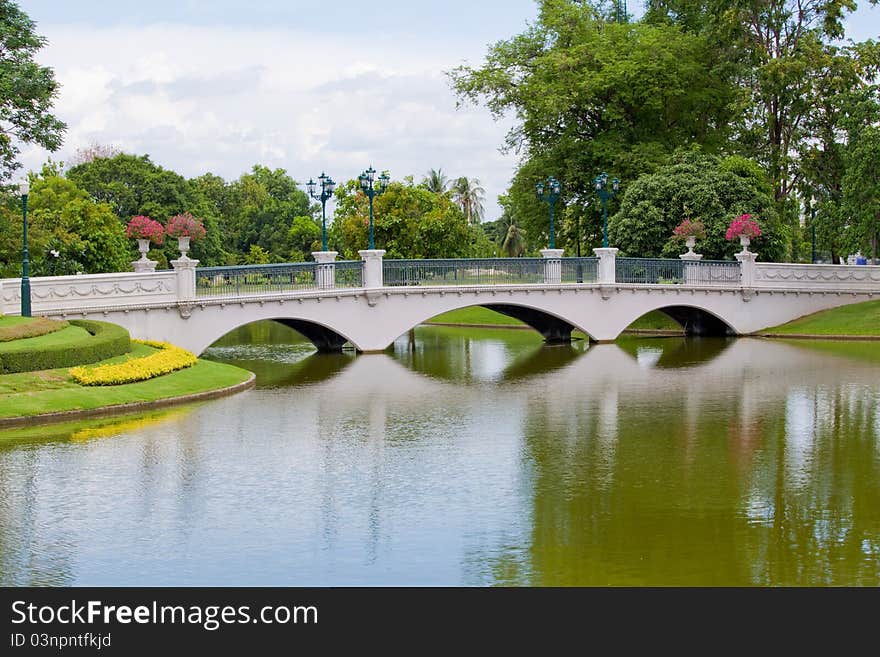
x,y
105,341
39,326
168,359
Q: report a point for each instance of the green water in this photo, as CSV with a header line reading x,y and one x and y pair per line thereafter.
x,y
475,457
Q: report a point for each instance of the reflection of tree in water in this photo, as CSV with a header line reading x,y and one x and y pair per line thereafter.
x,y
542,360
639,492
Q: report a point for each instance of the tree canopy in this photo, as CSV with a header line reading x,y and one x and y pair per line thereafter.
x,y
27,90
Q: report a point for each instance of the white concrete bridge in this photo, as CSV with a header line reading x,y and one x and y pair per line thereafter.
x,y
370,303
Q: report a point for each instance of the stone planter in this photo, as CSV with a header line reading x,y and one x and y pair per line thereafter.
x,y
690,243
183,246
144,264
745,241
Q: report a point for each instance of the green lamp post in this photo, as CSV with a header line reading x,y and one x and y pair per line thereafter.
x,y
327,189
601,183
813,228
373,187
24,189
552,188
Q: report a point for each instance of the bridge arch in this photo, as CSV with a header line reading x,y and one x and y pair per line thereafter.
x,y
694,318
325,338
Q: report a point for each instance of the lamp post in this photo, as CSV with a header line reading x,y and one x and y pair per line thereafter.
x,y
813,228
327,189
601,183
24,189
552,186
367,180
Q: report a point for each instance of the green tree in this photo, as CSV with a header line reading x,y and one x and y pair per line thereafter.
x,y
68,232
696,186
591,96
409,222
469,195
436,181
305,238
257,255
27,90
134,185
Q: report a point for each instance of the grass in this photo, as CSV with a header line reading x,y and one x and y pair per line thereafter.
x,y
864,351
67,337
475,315
655,320
858,319
48,391
18,328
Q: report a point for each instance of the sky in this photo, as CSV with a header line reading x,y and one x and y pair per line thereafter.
x,y
220,85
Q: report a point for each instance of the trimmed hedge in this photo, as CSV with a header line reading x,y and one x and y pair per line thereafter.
x,y
105,341
168,359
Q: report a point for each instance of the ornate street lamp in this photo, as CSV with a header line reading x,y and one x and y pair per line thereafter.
x,y
601,183
327,189
367,180
813,227
24,189
552,188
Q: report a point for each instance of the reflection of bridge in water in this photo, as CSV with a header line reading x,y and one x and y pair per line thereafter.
x,y
371,303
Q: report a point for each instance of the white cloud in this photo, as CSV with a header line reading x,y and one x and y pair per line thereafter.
x,y
223,99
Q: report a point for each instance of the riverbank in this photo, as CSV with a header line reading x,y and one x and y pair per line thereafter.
x,y
52,395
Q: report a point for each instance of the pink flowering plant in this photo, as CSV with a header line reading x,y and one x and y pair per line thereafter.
x,y
185,225
144,228
743,226
690,228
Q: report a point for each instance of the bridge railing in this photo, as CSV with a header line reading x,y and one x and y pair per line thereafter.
x,y
476,271
667,271
580,270
266,279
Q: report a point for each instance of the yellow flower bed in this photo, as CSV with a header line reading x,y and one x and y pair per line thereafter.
x,y
168,359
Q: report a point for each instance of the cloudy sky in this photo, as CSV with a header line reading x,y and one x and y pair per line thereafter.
x,y
220,85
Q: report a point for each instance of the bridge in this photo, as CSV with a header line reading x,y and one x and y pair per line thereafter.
x,y
369,303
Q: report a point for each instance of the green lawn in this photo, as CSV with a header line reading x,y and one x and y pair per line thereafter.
x,y
654,320
48,391
475,315
17,328
859,319
69,336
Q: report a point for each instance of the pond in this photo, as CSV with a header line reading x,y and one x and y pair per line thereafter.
x,y
469,457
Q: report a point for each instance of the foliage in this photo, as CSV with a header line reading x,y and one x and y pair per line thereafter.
x,y
27,90
168,359
469,195
743,226
67,231
409,222
185,225
860,184
257,255
104,341
305,237
436,181
144,228
699,185
689,228
590,95
28,328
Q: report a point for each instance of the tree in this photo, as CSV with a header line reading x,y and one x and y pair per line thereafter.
x,y
91,152
591,96
860,183
469,195
436,181
134,185
696,186
409,222
27,90
68,231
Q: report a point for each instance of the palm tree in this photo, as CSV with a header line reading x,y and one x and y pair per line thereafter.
x,y
436,181
469,195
